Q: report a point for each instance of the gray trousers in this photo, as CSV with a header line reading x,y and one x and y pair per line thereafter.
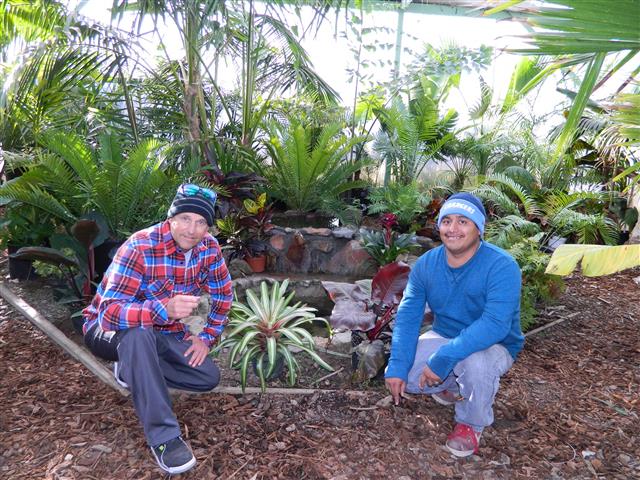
x,y
150,362
476,379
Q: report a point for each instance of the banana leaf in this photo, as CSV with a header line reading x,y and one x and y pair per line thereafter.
x,y
595,260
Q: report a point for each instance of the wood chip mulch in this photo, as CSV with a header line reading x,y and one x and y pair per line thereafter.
x,y
569,408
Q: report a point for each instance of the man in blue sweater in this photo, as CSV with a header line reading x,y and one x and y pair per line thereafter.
x,y
473,289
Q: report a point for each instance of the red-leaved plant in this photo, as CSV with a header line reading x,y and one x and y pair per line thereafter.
x,y
366,308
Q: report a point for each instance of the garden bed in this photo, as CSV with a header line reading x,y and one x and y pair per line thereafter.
x,y
568,409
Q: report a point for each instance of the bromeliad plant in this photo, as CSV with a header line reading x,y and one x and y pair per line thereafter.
x,y
264,328
385,246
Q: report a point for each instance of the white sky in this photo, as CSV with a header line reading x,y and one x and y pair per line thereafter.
x,y
331,56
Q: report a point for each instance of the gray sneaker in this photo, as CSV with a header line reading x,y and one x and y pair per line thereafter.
x,y
174,456
116,373
446,397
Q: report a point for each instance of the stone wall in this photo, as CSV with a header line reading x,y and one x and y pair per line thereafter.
x,y
323,251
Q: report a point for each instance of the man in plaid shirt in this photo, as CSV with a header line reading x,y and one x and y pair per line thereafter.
x,y
153,282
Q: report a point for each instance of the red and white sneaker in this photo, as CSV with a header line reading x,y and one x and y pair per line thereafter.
x,y
463,441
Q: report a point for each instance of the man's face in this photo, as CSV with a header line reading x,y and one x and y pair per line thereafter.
x,y
459,235
187,229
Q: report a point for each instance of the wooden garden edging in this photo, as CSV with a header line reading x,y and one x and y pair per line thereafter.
x,y
104,374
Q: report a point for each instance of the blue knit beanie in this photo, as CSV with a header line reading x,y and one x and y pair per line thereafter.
x,y
467,205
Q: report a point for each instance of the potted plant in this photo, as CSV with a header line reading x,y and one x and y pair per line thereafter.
x,y
262,330
256,218
244,232
21,226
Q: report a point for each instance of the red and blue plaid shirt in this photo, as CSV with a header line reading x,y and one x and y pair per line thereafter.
x,y
149,269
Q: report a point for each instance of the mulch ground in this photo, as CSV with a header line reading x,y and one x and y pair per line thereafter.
x,y
569,408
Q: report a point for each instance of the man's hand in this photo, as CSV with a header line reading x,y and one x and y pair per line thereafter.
x,y
198,350
181,306
428,378
396,386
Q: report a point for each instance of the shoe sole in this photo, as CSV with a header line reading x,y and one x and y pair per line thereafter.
x,y
461,453
117,377
175,470
442,401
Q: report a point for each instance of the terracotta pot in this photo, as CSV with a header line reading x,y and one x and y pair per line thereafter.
x,y
258,263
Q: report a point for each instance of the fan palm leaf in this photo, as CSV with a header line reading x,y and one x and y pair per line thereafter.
x,y
582,27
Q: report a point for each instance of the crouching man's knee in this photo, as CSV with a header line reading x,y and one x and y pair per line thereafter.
x,y
208,376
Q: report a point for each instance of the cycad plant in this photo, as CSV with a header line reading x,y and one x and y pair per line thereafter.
x,y
578,215
69,179
310,168
265,328
405,201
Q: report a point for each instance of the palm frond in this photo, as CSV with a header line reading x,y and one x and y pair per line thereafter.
x,y
478,110
36,197
583,26
498,198
506,231
526,200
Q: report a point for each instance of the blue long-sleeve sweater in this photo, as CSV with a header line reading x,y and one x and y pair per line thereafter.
x,y
476,305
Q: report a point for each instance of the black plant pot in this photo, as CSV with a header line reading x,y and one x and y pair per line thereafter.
x,y
277,370
103,255
20,269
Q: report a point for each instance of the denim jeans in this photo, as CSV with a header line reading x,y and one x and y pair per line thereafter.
x,y
476,379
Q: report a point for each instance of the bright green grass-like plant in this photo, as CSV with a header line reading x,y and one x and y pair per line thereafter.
x,y
264,328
